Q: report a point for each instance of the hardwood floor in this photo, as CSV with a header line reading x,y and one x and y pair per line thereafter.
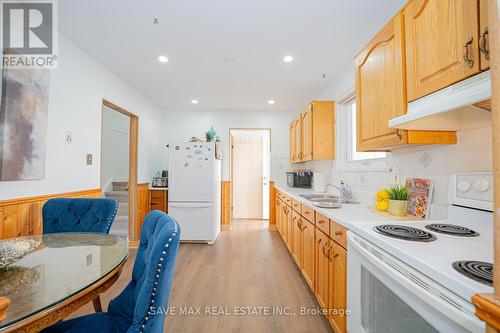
x,y
248,266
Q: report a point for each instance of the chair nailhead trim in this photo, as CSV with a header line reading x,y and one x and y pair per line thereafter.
x,y
157,276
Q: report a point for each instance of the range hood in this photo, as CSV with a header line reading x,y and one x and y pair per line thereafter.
x,y
463,105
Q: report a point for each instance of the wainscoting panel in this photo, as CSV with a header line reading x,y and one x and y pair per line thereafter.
x,y
226,205
272,206
23,216
143,206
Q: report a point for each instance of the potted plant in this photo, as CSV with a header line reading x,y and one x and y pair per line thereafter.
x,y
398,200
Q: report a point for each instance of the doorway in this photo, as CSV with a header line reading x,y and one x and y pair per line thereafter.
x,y
119,132
250,167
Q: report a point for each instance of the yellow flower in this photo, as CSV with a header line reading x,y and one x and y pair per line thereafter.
x,y
382,195
382,205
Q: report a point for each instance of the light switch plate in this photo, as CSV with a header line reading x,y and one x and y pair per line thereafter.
x,y
89,159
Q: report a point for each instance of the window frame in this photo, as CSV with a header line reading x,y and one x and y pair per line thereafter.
x,y
344,147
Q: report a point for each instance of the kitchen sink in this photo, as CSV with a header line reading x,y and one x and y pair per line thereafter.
x,y
328,199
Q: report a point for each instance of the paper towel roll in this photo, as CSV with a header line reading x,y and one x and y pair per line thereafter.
x,y
319,182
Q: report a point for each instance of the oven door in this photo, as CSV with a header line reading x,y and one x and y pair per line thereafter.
x,y
386,295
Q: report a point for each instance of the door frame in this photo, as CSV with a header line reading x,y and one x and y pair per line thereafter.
x,y
231,159
132,169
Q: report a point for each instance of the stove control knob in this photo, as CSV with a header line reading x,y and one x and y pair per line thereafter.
x,y
463,186
482,185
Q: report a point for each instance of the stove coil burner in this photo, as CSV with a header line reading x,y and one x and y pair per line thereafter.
x,y
451,229
477,270
404,232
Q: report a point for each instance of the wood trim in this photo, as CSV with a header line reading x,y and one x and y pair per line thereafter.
x,y
487,309
225,205
272,206
24,200
143,208
58,312
488,306
23,216
133,199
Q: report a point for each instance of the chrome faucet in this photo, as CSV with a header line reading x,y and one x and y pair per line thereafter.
x,y
344,189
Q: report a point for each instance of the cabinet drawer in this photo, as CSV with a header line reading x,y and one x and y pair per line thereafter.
x,y
287,200
296,206
322,223
339,234
157,194
308,213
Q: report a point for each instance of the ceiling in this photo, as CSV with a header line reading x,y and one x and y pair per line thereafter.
x,y
227,54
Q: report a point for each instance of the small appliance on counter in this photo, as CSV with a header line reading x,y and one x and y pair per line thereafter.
x,y
299,178
160,181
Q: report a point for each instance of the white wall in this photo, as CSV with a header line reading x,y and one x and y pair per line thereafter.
x,y
182,125
473,153
115,147
77,88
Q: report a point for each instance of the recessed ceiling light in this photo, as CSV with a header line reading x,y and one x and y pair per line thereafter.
x,y
162,59
288,58
271,102
194,101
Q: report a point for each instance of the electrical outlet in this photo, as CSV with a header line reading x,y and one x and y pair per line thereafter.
x,y
395,176
89,159
68,137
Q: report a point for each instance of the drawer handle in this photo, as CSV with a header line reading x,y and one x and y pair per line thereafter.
x,y
321,221
307,212
468,61
482,44
338,233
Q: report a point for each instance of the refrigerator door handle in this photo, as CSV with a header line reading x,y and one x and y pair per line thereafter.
x,y
190,204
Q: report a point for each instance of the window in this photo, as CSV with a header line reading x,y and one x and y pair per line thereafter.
x,y
353,154
348,159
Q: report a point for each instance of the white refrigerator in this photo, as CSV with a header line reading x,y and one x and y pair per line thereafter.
x,y
194,186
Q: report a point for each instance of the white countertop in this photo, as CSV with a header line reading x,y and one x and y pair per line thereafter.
x,y
349,215
157,188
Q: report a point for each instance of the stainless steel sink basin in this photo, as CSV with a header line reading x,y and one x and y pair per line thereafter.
x,y
318,196
327,204
328,198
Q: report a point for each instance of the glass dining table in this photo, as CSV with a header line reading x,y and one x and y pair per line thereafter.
x,y
61,273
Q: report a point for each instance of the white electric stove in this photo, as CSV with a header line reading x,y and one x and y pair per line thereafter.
x,y
421,276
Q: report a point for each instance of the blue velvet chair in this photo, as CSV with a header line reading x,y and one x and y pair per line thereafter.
x,y
142,305
78,215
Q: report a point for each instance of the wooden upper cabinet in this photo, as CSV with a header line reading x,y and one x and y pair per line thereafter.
x,y
312,134
442,44
380,88
307,134
292,141
323,130
484,42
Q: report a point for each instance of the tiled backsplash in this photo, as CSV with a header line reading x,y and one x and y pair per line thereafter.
x,y
473,153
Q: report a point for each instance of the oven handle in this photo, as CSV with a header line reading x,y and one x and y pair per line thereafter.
x,y
452,307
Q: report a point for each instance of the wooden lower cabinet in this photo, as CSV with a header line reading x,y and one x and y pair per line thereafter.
x,y
321,266
287,222
307,236
278,215
297,239
337,286
158,200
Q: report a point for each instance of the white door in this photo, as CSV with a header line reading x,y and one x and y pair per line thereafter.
x,y
191,172
247,159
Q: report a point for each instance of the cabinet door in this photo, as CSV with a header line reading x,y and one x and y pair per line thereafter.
x,y
278,214
484,43
307,254
337,288
298,139
321,266
290,224
292,141
285,219
440,36
307,134
297,239
380,88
